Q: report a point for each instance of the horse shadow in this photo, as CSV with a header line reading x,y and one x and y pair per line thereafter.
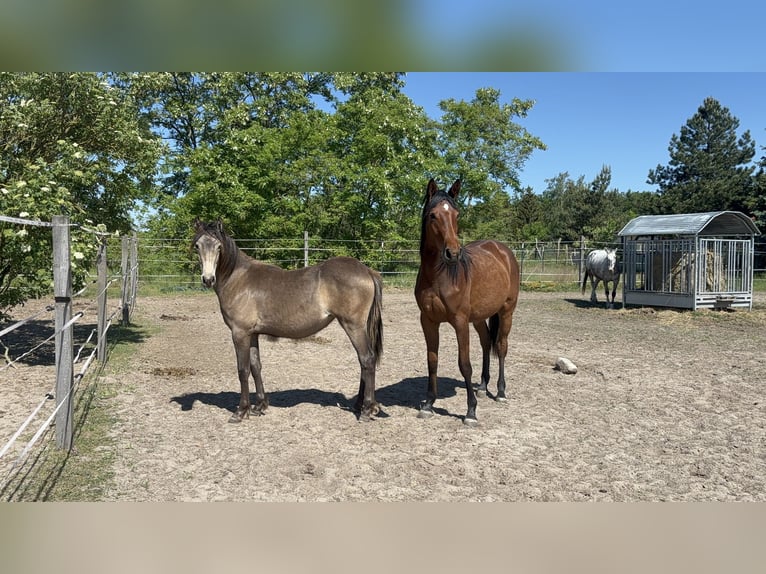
x,y
407,393
581,303
587,304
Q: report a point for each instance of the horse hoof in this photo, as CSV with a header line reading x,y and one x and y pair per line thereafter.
x,y
501,400
423,414
259,409
235,419
481,392
470,422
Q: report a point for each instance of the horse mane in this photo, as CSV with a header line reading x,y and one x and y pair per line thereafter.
x,y
464,259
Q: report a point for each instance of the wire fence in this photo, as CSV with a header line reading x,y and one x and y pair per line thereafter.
x,y
29,366
170,264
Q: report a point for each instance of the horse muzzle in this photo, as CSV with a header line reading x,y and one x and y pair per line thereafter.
x,y
451,256
208,280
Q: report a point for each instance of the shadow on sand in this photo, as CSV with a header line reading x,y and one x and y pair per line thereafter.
x,y
408,393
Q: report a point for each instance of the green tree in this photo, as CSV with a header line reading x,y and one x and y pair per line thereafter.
x,y
277,163
757,202
573,208
710,165
70,144
481,143
342,155
238,146
384,146
757,207
527,223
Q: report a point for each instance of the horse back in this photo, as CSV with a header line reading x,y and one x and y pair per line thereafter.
x,y
492,257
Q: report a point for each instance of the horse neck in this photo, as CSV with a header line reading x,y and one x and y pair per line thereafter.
x,y
432,268
430,251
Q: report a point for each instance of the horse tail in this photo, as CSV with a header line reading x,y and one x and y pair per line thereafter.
x,y
584,280
494,333
375,320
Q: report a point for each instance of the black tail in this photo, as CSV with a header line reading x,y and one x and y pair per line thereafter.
x,y
494,332
375,320
584,281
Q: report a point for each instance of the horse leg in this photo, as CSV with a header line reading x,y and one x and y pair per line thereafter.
x,y
594,285
486,347
464,363
365,404
501,347
242,350
614,289
431,333
606,294
262,401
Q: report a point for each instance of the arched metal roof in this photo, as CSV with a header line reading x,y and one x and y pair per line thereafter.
x,y
710,223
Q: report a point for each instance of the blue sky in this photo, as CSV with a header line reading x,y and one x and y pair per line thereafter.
x,y
604,35
623,119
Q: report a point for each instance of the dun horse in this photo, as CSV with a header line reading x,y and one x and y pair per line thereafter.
x,y
261,299
602,265
474,284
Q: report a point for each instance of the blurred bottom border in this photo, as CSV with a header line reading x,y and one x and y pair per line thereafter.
x,y
337,537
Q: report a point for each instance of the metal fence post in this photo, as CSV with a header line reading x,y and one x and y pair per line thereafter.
x,y
133,270
125,291
62,288
101,286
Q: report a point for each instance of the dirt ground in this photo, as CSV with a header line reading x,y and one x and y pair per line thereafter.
x,y
666,405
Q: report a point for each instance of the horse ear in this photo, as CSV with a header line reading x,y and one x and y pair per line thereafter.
x,y
219,225
197,223
455,189
431,189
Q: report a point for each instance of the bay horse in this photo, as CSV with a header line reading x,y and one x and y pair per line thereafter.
x,y
257,298
475,284
602,265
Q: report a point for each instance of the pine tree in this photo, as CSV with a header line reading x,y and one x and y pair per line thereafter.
x,y
710,166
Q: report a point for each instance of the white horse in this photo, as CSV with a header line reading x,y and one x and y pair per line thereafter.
x,y
602,265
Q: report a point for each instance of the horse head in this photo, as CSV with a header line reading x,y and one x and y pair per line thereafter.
x,y
208,244
439,226
611,258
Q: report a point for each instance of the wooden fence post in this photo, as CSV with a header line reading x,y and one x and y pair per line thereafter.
x,y
305,248
581,269
62,290
101,286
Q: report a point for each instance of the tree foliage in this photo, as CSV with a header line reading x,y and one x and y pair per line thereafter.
x,y
481,143
70,144
340,155
710,165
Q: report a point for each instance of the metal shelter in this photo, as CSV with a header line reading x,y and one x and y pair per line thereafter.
x,y
689,261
